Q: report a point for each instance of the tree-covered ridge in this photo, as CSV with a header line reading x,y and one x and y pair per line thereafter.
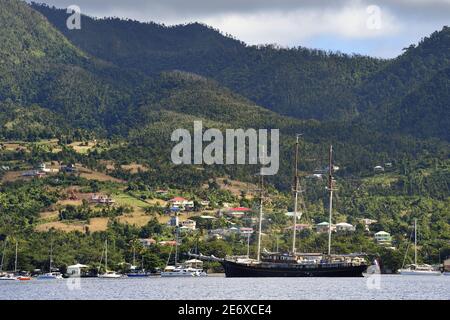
x,y
410,94
298,82
41,67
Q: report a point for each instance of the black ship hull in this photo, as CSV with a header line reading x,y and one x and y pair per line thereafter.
x,y
233,269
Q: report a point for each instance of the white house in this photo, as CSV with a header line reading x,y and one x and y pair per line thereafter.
x,y
291,214
102,199
189,224
323,227
181,203
343,227
383,238
147,242
378,169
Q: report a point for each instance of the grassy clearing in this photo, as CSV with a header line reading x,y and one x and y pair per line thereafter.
x,y
236,187
61,226
82,147
95,225
384,179
127,200
99,176
137,219
11,176
134,168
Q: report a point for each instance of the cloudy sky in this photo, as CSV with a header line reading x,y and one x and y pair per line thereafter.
x,y
374,27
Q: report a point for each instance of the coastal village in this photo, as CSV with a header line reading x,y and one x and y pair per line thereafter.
x,y
89,199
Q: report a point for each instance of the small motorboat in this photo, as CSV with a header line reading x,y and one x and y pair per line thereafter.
x,y
8,276
50,276
138,274
180,271
110,275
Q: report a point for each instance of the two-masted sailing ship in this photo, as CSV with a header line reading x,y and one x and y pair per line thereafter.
x,y
293,263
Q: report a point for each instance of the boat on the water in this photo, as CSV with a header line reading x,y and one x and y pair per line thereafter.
x,y
293,263
8,276
53,273
136,272
21,276
108,274
190,268
416,269
50,276
419,270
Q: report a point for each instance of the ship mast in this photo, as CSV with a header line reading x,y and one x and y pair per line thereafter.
x,y
261,196
176,246
51,255
15,261
106,255
330,189
415,241
296,190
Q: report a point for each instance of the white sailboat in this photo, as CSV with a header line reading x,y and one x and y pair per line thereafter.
x,y
52,275
17,274
5,275
417,269
108,274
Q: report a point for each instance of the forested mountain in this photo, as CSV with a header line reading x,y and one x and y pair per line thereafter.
x,y
40,66
298,82
410,94
135,90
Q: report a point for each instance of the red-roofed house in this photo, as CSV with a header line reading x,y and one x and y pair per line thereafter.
x,y
245,231
170,243
236,212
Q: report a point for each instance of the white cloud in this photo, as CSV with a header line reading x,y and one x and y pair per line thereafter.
x,y
294,27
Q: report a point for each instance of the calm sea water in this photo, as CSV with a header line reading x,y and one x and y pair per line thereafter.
x,y
219,287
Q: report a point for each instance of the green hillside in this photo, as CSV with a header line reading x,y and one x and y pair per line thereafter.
x,y
108,97
298,82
